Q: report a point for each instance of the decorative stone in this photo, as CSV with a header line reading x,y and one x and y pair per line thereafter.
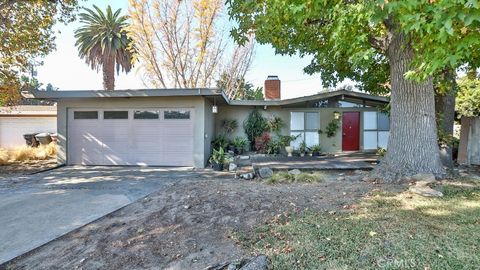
x,y
232,167
426,191
341,178
265,172
256,263
294,172
243,157
247,176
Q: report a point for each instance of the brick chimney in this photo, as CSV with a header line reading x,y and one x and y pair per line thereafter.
x,y
272,87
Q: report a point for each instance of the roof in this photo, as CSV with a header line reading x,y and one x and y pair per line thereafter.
x,y
207,92
29,110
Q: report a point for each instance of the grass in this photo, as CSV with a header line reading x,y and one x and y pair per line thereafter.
x,y
304,177
26,153
385,231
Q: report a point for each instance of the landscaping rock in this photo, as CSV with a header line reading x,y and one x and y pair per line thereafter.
x,y
294,172
256,263
232,167
426,191
426,178
247,176
244,157
341,178
265,172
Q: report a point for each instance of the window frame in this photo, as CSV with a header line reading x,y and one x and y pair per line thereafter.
x,y
303,132
377,130
145,110
177,110
86,111
110,111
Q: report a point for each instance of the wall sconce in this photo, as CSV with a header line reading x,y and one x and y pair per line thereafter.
x,y
336,115
214,107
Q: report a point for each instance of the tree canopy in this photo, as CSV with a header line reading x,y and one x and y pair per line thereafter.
x,y
468,97
25,34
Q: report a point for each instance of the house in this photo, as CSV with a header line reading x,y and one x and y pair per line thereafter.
x,y
175,127
24,119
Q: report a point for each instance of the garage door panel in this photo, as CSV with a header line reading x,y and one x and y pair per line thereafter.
x,y
131,141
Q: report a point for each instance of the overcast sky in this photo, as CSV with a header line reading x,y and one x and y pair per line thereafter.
x,y
65,70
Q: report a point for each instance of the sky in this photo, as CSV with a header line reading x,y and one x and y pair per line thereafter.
x,y
65,70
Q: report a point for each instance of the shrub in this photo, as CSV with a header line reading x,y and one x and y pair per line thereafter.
x,y
275,124
261,143
229,125
255,125
273,147
220,142
25,153
240,144
304,177
4,157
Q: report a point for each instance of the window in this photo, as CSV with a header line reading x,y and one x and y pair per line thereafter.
x,y
376,129
305,125
176,114
85,115
145,115
115,115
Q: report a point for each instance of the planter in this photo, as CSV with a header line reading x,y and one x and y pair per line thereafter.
x,y
30,139
217,167
43,138
289,150
302,154
310,154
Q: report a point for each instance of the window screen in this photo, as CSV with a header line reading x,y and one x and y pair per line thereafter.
x,y
176,114
85,115
145,115
115,115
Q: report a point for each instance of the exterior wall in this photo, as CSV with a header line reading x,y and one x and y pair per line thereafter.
x,y
209,134
329,145
12,128
469,149
197,103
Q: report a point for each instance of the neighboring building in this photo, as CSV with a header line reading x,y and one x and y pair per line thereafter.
x,y
469,148
19,120
175,127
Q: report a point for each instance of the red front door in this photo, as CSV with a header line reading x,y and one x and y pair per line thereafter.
x,y
351,131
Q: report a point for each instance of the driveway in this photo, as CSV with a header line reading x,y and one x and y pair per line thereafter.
x,y
38,208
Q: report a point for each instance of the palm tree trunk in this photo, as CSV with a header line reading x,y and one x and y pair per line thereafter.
x,y
108,69
412,145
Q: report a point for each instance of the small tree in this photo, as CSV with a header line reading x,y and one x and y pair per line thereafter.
x,y
255,125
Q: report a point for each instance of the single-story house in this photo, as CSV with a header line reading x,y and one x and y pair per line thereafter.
x,y
25,119
175,127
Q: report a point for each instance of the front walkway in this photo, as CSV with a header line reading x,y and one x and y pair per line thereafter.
x,y
341,161
35,209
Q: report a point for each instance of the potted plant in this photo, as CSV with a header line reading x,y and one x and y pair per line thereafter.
x,y
220,141
285,141
302,148
315,149
218,159
240,144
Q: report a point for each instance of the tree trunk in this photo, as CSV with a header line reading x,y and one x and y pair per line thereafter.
x,y
412,144
445,112
108,69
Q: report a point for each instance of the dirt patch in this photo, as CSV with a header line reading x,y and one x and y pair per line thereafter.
x,y
188,225
26,167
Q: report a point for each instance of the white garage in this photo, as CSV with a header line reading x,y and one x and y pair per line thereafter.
x,y
131,136
19,120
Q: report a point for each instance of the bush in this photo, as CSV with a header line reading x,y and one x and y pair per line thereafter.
x,y
25,153
304,177
4,157
255,125
261,143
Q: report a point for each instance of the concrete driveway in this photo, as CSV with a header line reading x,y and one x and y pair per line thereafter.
x,y
38,208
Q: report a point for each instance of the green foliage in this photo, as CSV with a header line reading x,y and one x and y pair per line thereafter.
x,y
285,140
240,143
273,147
302,148
262,143
275,124
26,33
468,97
316,149
243,90
221,141
381,151
255,125
332,127
229,125
103,41
218,157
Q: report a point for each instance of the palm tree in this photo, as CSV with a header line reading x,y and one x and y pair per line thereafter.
x,y
103,42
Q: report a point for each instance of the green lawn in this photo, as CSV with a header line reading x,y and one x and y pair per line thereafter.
x,y
384,231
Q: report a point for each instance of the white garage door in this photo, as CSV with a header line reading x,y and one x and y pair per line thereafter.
x,y
157,136
13,128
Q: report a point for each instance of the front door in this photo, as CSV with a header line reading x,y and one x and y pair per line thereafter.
x,y
351,131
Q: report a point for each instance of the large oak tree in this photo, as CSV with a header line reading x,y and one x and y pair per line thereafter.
x,y
410,41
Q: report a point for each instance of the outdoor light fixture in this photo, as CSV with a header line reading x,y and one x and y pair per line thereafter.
x,y
214,107
336,115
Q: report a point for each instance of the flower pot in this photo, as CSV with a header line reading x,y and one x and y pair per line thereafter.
x,y
310,154
217,167
289,150
302,154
